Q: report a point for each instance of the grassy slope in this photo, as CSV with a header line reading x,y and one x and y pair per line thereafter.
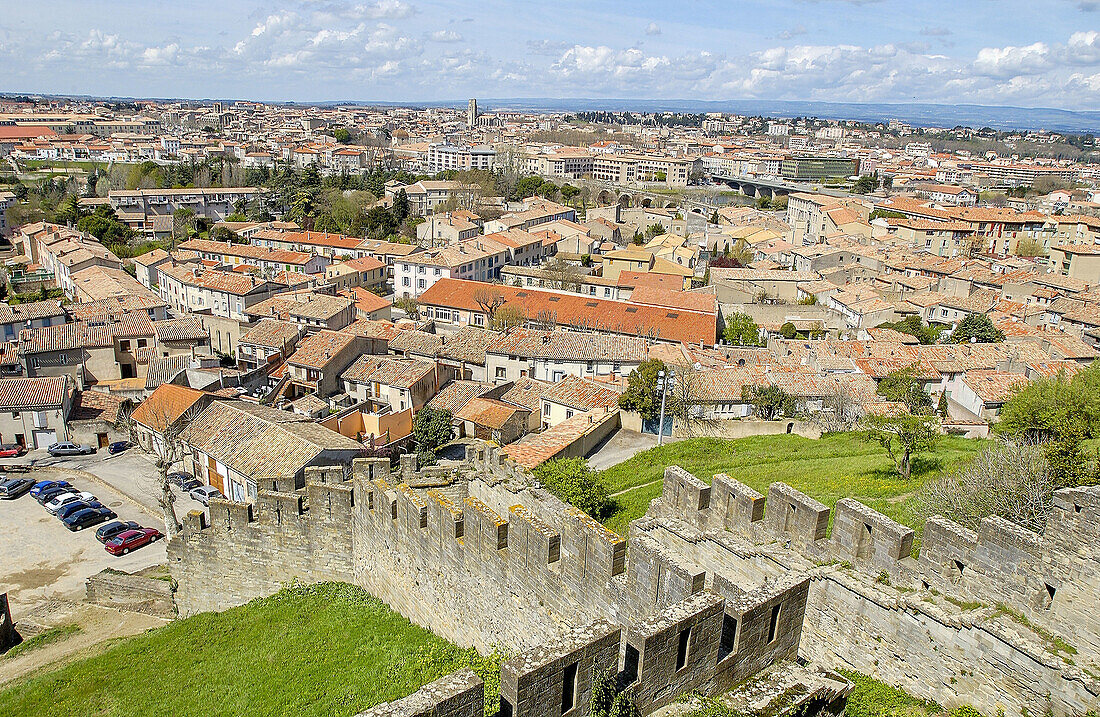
x,y
327,649
836,466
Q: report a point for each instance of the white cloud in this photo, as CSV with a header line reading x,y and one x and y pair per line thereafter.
x,y
653,29
446,36
1009,62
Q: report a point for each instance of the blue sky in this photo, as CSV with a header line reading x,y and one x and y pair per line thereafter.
x,y
999,52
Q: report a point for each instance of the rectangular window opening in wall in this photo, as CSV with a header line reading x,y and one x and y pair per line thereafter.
x,y
505,708
630,664
773,624
1051,590
569,688
728,643
959,568
682,648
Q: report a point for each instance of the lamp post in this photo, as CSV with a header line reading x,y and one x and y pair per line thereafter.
x,y
661,421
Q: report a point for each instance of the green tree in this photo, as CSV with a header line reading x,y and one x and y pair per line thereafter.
x,y
432,428
400,208
904,436
741,330
341,135
769,401
788,330
978,328
902,386
572,480
642,392
865,184
941,406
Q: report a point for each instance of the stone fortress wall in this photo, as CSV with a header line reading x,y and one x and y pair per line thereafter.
x,y
719,583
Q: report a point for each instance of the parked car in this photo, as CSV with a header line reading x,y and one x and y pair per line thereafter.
x,y
67,448
54,505
44,485
110,530
50,493
204,493
87,517
123,543
11,450
15,487
71,508
184,481
119,447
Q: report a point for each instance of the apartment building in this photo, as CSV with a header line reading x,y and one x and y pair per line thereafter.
x,y
137,207
63,252
267,261
1077,261
424,196
227,294
444,157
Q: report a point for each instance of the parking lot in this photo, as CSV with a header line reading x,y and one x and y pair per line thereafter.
x,y
43,559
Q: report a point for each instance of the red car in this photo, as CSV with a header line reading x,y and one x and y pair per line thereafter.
x,y
132,540
11,450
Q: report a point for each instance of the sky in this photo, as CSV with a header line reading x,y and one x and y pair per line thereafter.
x,y
1041,53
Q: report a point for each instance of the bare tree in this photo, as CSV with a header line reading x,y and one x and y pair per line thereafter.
x,y
1010,480
562,275
159,434
489,300
839,410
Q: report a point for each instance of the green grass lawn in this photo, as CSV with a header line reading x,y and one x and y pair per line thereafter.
x,y
840,465
327,649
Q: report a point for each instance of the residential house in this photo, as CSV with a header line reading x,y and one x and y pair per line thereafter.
x,y
241,448
34,411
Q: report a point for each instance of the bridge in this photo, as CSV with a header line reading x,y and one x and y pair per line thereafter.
x,y
771,187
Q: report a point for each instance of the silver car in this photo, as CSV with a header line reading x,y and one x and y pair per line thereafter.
x,y
204,493
67,448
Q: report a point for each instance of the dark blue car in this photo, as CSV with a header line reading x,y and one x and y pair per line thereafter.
x,y
106,532
46,485
69,508
88,517
118,447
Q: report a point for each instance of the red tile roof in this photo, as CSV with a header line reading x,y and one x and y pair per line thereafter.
x,y
579,311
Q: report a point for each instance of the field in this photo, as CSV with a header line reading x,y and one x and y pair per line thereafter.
x,y
840,465
327,649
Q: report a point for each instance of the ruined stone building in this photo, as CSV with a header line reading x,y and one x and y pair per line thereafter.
x,y
718,585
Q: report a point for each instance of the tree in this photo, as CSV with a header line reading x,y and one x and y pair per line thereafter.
x,y
161,438
506,317
714,218
902,386
977,328
432,428
904,436
489,299
183,224
788,330
742,330
400,208
573,481
642,391
912,325
341,135
562,275
409,305
1008,479
1055,408
770,401
865,184
1028,247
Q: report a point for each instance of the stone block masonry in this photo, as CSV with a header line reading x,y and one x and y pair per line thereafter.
x,y
459,694
472,551
1027,599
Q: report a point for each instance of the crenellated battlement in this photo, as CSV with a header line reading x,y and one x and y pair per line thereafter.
x,y
1048,582
477,552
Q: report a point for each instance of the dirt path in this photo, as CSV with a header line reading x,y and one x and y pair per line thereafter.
x,y
98,625
636,487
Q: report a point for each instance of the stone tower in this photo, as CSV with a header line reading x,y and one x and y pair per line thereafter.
x,y
471,113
